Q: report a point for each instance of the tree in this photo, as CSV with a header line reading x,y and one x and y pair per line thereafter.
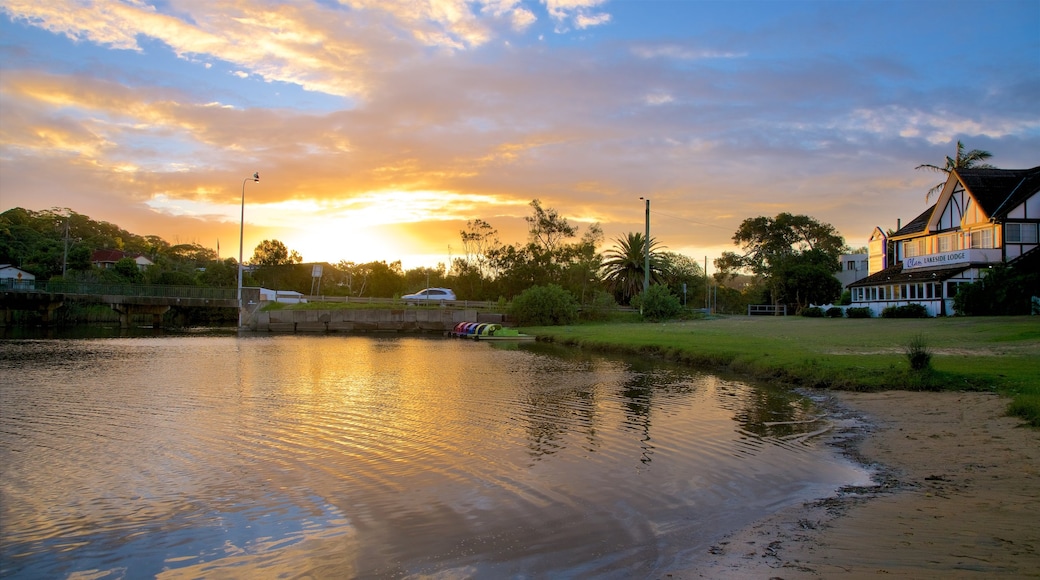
x,y
479,239
274,253
676,270
548,229
789,252
625,264
964,160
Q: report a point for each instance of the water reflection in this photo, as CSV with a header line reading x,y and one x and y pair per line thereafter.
x,y
341,456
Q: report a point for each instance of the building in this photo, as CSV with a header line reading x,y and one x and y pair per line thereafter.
x,y
16,278
854,267
106,259
982,217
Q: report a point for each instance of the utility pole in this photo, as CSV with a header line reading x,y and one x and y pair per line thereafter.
x,y
646,257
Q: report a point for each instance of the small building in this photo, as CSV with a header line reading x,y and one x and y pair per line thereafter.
x,y
283,296
106,259
982,217
854,267
16,278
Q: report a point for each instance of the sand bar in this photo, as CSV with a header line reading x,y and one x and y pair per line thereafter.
x,y
957,496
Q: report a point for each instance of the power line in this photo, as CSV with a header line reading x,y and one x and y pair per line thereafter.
x,y
655,212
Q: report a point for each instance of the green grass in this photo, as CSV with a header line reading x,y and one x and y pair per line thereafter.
x,y
1000,354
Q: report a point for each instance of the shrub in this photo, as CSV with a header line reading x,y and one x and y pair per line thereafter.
x,y
812,312
658,303
544,306
917,353
601,307
905,311
859,312
835,312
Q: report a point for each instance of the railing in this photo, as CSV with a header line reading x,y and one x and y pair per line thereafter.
x,y
479,304
147,290
754,309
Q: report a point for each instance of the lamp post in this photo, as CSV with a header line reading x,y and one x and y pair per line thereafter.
x,y
241,234
646,256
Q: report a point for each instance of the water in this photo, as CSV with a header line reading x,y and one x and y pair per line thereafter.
x,y
401,457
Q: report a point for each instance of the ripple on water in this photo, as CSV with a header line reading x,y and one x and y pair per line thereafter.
x,y
357,456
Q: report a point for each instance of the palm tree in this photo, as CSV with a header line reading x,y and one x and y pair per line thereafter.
x,y
624,265
971,160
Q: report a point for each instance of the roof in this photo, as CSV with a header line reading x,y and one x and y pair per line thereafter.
x,y
896,275
113,256
998,191
916,225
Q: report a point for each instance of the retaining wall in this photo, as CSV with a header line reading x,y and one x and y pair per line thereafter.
x,y
367,320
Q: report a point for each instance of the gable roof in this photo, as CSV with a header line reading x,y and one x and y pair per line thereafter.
x,y
999,190
996,191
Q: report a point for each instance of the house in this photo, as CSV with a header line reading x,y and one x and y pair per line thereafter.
x,y
15,278
854,267
106,259
983,217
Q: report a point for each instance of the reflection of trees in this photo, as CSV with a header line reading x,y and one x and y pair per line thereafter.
x,y
768,412
552,414
638,400
639,394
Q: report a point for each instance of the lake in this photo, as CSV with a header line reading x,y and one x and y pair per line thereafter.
x,y
205,454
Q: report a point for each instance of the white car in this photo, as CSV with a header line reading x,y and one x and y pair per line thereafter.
x,y
429,295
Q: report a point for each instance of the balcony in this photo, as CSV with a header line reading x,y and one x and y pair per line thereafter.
x,y
954,258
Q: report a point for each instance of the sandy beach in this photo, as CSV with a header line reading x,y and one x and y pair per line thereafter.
x,y
957,496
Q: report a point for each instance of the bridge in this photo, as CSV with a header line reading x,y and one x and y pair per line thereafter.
x,y
126,299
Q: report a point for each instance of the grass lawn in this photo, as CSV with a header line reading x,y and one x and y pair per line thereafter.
x,y
1000,354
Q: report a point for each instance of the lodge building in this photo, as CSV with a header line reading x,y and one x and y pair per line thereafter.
x,y
982,217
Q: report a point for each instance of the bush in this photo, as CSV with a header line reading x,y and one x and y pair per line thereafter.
x,y
859,312
812,312
917,353
544,306
846,298
905,311
835,312
658,303
601,308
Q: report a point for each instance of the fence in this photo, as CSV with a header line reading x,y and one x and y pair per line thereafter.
x,y
770,309
148,290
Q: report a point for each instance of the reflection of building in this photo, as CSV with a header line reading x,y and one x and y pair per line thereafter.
x,y
983,217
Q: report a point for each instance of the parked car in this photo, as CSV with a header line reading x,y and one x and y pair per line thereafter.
x,y
429,295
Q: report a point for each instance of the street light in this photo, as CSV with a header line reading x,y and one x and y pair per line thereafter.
x,y
241,232
646,256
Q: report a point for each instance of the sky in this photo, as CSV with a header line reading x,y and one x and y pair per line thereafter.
x,y
379,128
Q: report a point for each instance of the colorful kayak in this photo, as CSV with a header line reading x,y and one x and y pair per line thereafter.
x,y
487,331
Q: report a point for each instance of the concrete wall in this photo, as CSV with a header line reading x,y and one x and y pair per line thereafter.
x,y
367,320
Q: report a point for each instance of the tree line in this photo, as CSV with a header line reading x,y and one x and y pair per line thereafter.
x,y
790,259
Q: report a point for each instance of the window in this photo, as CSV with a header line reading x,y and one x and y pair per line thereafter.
x,y
1020,233
946,243
982,239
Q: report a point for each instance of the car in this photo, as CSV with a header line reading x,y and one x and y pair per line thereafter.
x,y
429,295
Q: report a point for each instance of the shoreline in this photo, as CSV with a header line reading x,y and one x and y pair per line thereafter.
x,y
956,494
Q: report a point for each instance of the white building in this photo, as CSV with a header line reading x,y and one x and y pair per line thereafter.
x,y
982,217
15,278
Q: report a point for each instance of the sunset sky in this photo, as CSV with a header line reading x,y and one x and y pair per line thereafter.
x,y
379,127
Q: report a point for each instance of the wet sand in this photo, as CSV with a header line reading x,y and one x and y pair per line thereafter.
x,y
957,496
